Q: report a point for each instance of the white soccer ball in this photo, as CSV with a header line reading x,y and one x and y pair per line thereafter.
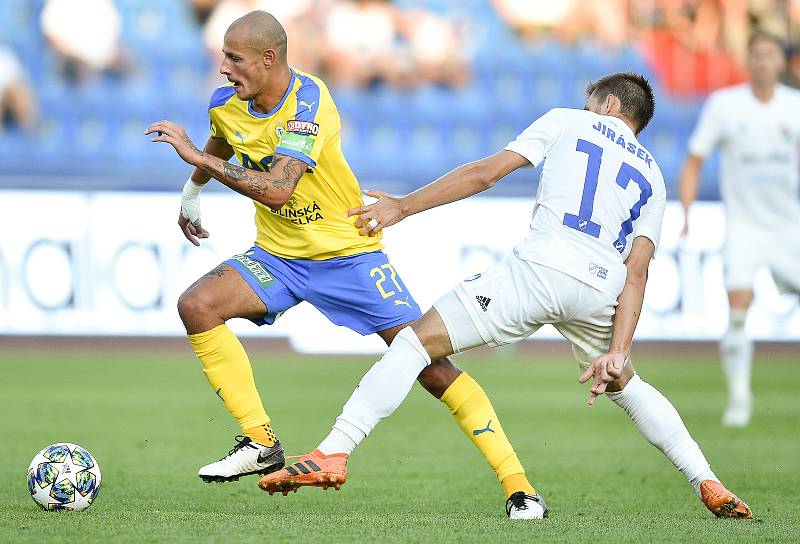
x,y
64,476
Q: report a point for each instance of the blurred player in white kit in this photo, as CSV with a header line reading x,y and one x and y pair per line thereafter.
x,y
756,126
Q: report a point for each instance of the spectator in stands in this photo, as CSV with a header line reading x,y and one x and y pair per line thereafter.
x,y
603,22
202,10
532,18
686,48
86,36
368,41
361,45
17,103
437,46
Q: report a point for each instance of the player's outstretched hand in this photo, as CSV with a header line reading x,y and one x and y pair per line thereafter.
x,y
604,369
175,135
384,212
192,231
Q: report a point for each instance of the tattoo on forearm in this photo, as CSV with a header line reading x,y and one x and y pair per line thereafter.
x,y
291,170
229,171
233,171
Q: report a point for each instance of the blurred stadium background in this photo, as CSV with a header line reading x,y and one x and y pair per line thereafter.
x,y
422,86
89,247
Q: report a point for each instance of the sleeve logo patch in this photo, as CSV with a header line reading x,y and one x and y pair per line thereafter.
x,y
297,142
302,127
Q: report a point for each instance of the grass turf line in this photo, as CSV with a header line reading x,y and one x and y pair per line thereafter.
x,y
152,420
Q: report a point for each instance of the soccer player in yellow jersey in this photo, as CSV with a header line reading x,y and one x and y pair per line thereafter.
x,y
283,127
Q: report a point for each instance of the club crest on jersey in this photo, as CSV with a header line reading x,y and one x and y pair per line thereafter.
x,y
279,131
306,128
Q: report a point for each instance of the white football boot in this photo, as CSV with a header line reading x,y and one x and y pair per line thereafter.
x,y
246,458
738,412
520,505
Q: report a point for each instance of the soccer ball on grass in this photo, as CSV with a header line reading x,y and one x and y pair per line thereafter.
x,y
64,476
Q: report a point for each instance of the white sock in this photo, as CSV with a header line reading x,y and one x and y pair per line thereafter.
x,y
659,422
736,351
379,393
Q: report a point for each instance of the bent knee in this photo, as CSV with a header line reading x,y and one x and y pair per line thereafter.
x,y
438,376
194,303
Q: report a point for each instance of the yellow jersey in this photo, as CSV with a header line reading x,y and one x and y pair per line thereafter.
x,y
304,125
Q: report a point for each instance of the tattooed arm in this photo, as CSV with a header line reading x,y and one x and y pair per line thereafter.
x,y
272,188
216,147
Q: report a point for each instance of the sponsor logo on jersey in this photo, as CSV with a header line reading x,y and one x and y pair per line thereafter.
x,y
256,269
262,165
483,302
241,136
297,142
302,127
598,271
299,214
630,147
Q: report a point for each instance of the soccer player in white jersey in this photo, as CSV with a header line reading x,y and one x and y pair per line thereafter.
x,y
756,126
582,268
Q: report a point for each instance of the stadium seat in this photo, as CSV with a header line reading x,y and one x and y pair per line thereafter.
x,y
401,137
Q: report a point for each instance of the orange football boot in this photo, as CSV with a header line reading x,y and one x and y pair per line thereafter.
x,y
722,502
313,469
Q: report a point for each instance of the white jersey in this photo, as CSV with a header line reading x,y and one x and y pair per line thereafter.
x,y
759,149
598,191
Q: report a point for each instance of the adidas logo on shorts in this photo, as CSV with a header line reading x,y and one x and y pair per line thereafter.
x,y
483,301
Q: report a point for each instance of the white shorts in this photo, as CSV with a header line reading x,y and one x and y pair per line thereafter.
x,y
747,249
513,299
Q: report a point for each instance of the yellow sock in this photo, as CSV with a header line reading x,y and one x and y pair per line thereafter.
x,y
475,415
517,482
228,370
263,434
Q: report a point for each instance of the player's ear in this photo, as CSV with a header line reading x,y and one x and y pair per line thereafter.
x,y
608,105
613,103
269,56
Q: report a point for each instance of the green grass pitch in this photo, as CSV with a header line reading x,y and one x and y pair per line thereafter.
x,y
151,420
